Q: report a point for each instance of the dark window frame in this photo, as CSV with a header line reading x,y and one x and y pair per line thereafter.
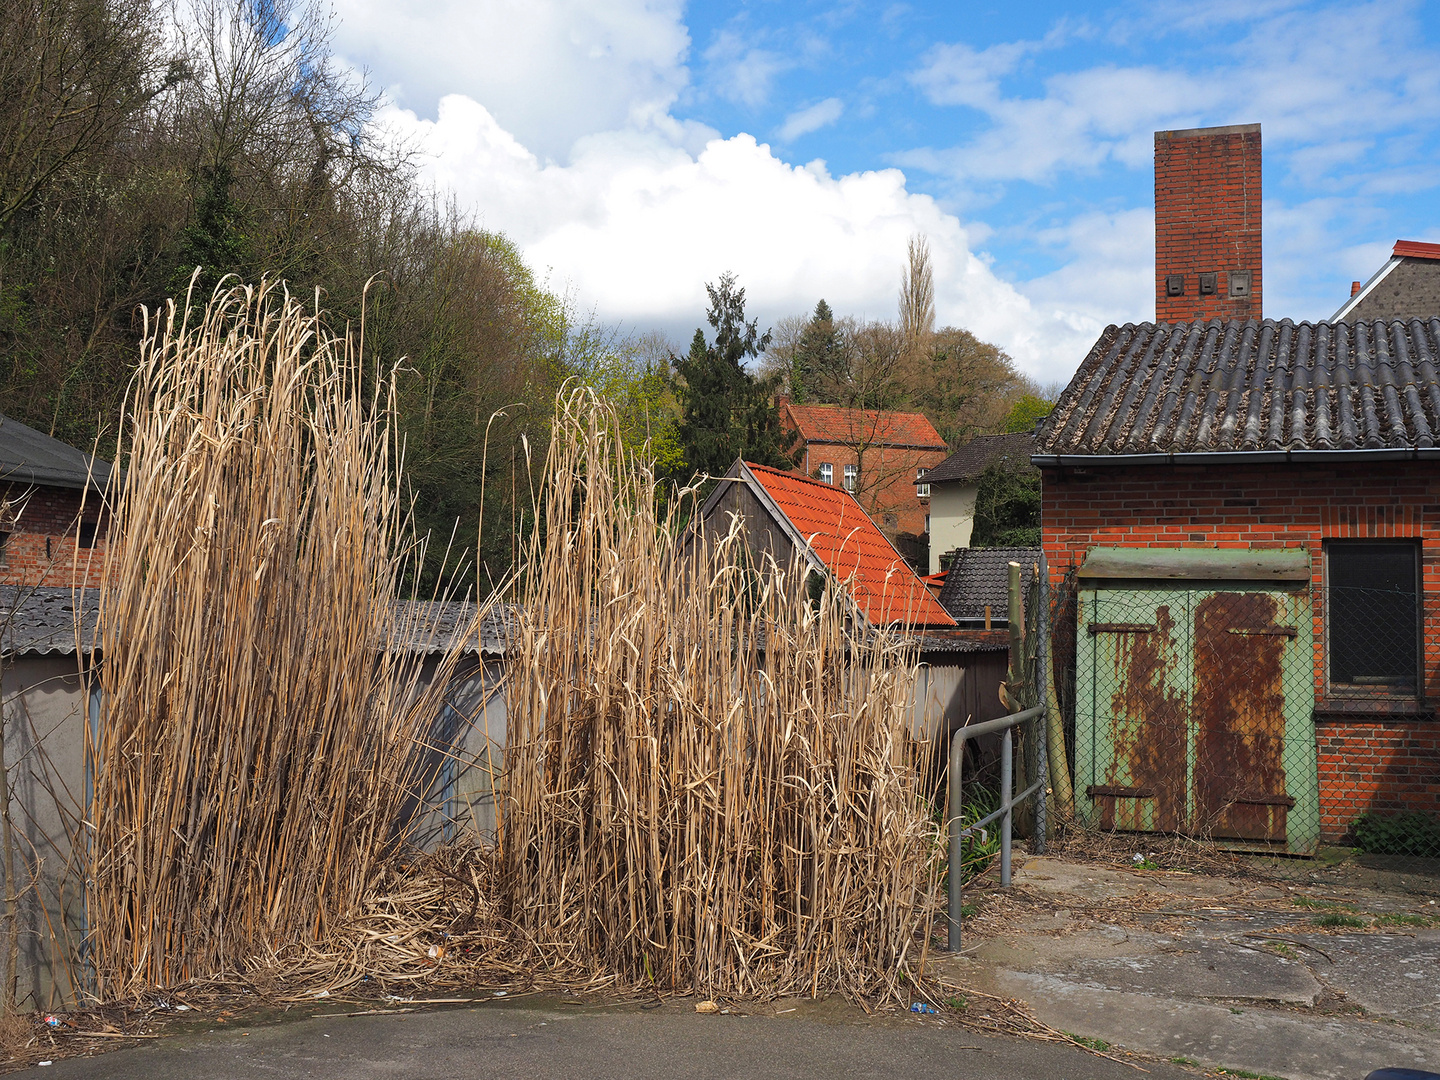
x,y
1360,691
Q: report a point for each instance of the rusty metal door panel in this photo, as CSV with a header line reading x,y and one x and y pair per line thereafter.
x,y
1239,716
1254,740
1136,643
1194,715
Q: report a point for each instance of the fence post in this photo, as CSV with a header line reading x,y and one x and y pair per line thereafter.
x,y
1057,757
1042,667
957,865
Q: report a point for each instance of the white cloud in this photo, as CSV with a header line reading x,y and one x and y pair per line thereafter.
x,y
742,72
956,74
1108,270
551,71
1320,75
636,225
804,121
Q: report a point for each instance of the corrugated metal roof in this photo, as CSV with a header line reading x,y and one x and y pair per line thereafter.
x,y
434,625
1174,388
28,456
979,454
854,549
42,621
963,641
854,427
981,576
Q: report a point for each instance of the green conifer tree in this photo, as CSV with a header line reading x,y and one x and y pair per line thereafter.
x,y
727,411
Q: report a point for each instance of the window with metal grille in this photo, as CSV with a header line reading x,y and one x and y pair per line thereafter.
x,y
827,472
1372,617
852,475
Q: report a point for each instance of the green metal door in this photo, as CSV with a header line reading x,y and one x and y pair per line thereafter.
x,y
1193,712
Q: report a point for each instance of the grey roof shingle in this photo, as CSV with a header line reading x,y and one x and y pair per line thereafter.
x,y
28,456
979,454
981,576
1173,388
42,621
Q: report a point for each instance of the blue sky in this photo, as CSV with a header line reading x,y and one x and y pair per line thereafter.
x,y
637,148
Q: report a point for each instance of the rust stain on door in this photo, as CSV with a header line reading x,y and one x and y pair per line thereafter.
x,y
1144,788
1239,717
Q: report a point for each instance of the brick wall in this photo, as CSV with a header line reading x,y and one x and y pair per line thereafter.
x,y
1207,220
1372,755
1384,765
887,480
40,545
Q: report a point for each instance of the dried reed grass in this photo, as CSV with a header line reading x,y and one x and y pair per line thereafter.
x,y
260,728
711,783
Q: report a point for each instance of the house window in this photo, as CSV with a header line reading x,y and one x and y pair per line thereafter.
x,y
4,544
1373,617
922,490
86,537
927,523
852,474
827,473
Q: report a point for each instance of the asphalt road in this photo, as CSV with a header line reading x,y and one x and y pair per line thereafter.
x,y
548,1040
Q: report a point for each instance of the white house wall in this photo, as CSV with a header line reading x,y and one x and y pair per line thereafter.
x,y
952,519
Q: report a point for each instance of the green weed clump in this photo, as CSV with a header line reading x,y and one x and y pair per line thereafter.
x,y
1404,920
1413,833
1337,919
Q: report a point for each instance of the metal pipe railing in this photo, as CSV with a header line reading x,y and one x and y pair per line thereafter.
x,y
1008,801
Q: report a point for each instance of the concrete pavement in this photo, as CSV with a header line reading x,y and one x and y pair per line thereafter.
x,y
539,1039
1233,974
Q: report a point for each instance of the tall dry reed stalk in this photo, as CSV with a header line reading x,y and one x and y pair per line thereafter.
x,y
258,733
710,782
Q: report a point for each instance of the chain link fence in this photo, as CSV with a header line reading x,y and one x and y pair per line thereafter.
x,y
1265,718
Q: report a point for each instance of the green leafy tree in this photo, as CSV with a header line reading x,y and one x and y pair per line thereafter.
x,y
1007,506
726,411
1025,412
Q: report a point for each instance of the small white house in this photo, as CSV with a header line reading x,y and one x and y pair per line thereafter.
x,y
955,482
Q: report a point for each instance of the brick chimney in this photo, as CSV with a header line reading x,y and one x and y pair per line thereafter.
x,y
1207,224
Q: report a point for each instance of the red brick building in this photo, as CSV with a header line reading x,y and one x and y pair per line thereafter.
x,y
1249,514
46,538
876,456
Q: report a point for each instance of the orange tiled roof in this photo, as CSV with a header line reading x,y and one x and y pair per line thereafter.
x,y
854,549
834,424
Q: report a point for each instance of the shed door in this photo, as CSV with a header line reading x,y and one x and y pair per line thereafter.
x,y
1197,717
1141,652
1238,714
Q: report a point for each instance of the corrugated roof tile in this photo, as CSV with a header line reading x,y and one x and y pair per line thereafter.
x,y
1172,388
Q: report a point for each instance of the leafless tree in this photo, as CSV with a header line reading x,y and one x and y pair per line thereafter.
x,y
917,295
72,73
